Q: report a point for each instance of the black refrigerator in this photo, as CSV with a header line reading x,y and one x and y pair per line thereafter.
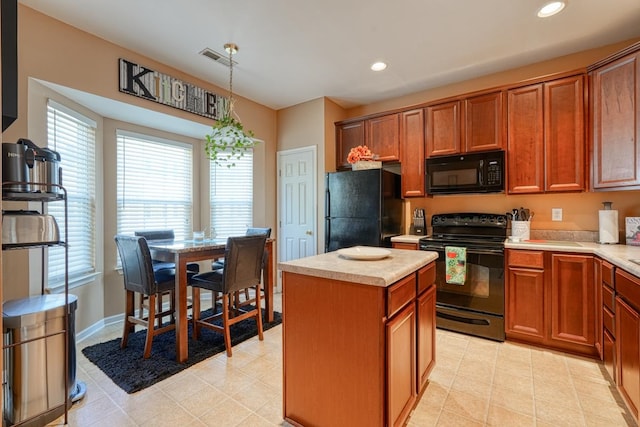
x,y
362,208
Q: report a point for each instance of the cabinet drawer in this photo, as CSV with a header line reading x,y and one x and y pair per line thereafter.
x,y
609,298
628,287
607,274
608,320
400,293
518,258
404,245
426,277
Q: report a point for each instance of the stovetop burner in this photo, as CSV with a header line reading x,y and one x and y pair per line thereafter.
x,y
472,228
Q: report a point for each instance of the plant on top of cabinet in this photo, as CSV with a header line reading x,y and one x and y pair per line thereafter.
x,y
348,136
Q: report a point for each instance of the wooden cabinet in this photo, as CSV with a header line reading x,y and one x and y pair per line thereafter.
x,y
545,137
404,245
469,125
483,123
524,294
381,136
615,93
443,129
412,153
551,300
401,365
572,300
348,135
627,324
426,334
373,346
607,319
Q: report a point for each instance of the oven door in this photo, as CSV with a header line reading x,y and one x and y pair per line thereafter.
x,y
483,289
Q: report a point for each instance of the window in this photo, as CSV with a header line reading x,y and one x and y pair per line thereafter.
x,y
154,184
232,197
74,137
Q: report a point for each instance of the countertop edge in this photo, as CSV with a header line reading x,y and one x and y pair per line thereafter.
x,y
381,273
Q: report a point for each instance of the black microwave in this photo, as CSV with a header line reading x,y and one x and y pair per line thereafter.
x,y
466,173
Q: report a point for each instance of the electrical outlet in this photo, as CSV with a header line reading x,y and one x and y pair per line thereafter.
x,y
556,214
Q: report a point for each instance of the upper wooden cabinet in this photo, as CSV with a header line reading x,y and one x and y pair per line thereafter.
x,y
412,153
545,137
615,91
381,136
483,124
443,129
348,135
472,124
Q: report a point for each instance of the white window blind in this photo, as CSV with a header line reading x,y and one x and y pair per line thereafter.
x,y
154,185
73,136
232,197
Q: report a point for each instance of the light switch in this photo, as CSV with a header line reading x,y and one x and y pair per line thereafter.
x,y
556,214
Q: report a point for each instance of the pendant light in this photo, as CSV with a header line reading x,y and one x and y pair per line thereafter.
x,y
228,140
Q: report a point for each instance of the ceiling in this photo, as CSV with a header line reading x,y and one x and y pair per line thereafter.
x,y
292,51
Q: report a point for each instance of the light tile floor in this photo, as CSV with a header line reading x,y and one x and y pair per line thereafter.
x,y
476,382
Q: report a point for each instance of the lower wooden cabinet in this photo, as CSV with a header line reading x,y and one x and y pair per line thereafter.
x,y
551,300
627,338
426,334
401,365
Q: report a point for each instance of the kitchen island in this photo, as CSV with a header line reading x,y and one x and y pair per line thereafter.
x,y
358,337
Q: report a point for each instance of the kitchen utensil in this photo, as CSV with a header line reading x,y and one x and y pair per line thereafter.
x,y
43,167
14,167
23,228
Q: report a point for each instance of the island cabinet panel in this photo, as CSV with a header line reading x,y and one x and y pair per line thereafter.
x,y
443,129
426,335
412,153
615,93
333,350
525,140
348,135
483,130
573,303
382,137
405,245
356,354
401,369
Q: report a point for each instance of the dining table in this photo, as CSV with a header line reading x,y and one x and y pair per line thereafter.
x,y
187,251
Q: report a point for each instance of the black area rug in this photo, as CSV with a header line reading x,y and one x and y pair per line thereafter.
x,y
132,373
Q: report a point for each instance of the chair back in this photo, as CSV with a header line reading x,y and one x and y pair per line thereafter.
x,y
243,262
259,231
137,266
156,234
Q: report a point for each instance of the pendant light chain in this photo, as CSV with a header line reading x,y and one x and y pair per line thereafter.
x,y
231,48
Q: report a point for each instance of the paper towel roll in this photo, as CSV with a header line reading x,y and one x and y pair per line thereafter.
x,y
608,222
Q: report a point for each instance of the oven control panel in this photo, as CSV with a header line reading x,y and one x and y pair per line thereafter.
x,y
469,219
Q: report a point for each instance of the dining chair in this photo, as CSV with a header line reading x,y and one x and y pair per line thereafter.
x,y
140,279
251,231
242,270
167,236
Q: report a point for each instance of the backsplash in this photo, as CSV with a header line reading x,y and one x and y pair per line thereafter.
x,y
565,235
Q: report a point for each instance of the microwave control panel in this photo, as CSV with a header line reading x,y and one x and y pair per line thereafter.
x,y
494,172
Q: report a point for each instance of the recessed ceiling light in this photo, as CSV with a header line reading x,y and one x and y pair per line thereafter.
x,y
378,66
551,9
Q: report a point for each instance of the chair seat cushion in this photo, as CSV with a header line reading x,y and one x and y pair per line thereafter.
x,y
217,265
211,280
165,275
159,265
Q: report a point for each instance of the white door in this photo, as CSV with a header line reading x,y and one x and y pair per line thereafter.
x,y
297,202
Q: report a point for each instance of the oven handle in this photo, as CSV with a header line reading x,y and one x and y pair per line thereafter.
x,y
474,251
483,322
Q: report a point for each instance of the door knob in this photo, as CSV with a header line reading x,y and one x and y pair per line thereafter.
x,y
309,232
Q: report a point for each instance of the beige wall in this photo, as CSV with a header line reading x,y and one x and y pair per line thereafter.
x,y
54,52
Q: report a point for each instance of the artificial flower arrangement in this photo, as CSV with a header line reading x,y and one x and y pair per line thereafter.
x,y
361,152
228,141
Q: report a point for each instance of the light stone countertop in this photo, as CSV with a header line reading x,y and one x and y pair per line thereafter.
x,y
407,238
383,272
619,255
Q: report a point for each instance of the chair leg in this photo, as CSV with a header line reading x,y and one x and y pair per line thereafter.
x,y
259,315
128,311
225,322
195,312
159,301
150,326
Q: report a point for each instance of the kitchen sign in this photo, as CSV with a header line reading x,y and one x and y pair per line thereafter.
x,y
140,81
